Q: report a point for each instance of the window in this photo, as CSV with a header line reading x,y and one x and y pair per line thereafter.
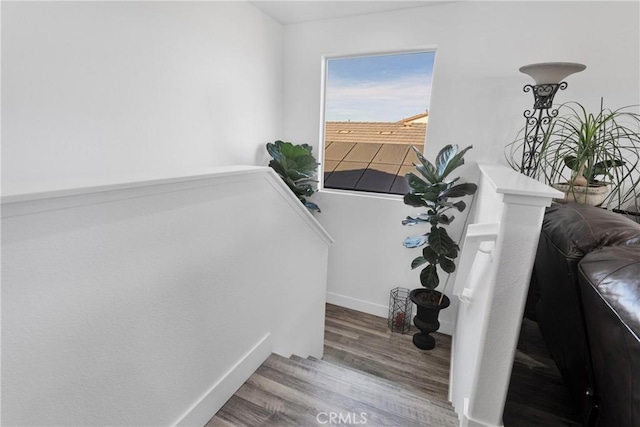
x,y
375,108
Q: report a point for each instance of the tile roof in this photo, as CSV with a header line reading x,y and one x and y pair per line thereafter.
x,y
371,156
375,132
411,119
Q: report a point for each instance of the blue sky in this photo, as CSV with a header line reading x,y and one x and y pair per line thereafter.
x,y
383,88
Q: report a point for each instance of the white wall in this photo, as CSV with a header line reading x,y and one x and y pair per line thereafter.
x,y
477,99
96,91
150,304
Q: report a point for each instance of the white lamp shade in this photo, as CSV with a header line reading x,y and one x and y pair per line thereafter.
x,y
551,72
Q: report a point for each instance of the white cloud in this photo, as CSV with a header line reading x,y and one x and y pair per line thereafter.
x,y
375,101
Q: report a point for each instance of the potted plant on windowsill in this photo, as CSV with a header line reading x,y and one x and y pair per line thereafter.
x,y
432,189
592,158
297,167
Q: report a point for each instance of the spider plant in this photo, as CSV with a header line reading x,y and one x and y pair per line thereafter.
x,y
587,149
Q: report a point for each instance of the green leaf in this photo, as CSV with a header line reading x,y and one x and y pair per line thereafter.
x,y
459,190
447,264
453,254
415,220
274,150
417,184
312,206
446,220
277,166
428,174
296,175
297,167
571,162
414,200
417,262
460,205
426,168
455,162
288,150
444,157
429,277
602,168
430,255
415,241
303,190
440,241
307,164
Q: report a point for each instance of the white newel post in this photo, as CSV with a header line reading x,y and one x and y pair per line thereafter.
x,y
492,282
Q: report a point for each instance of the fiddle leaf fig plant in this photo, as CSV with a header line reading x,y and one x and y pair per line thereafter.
x,y
297,167
432,188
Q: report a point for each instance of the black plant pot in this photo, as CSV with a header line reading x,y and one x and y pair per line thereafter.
x,y
427,319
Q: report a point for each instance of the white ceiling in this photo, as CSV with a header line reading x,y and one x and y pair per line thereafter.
x,y
295,12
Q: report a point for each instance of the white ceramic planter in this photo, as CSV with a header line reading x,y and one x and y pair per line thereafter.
x,y
592,195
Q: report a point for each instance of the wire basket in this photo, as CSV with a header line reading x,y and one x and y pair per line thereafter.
x,y
400,310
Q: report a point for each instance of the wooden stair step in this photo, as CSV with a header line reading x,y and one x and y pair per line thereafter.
x,y
379,397
311,387
335,371
368,369
241,412
387,344
294,406
432,382
364,377
379,384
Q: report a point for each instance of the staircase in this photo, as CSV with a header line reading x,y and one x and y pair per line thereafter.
x,y
143,327
368,370
369,376
306,392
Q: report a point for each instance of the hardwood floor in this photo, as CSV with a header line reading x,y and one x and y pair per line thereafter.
x,y
363,342
373,377
537,395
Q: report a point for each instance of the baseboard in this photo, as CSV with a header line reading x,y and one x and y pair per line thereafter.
x,y
216,397
358,304
446,326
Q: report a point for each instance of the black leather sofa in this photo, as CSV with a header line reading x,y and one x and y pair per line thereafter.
x,y
585,296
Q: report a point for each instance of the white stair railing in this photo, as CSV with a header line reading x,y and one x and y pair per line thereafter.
x,y
492,282
150,303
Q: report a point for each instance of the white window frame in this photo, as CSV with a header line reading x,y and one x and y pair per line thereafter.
x,y
323,85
